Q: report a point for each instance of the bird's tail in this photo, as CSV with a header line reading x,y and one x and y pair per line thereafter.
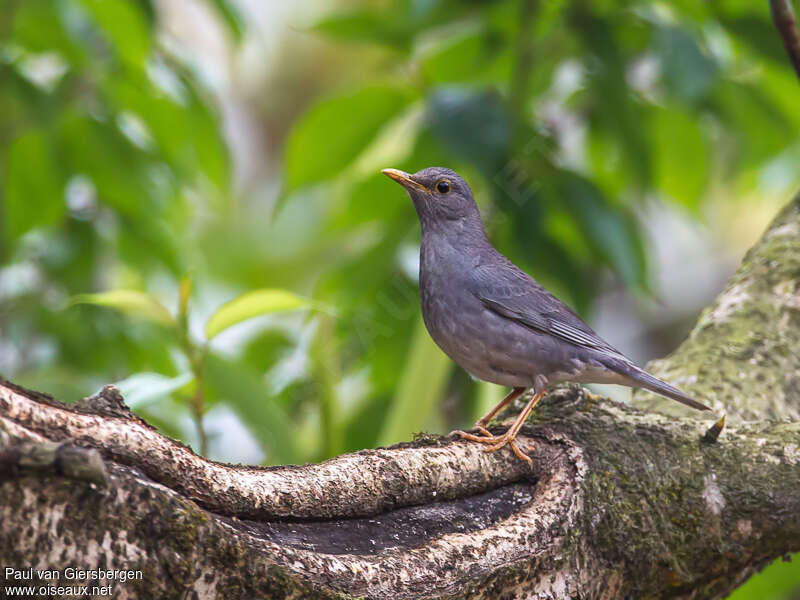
x,y
643,379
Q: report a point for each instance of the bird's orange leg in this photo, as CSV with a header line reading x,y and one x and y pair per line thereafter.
x,y
481,423
509,436
498,441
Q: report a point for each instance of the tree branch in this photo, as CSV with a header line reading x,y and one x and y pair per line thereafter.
x,y
741,357
783,17
620,503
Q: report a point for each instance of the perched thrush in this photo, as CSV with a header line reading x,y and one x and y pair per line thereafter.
x,y
496,321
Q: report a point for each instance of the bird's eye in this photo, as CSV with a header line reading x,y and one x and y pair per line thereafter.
x,y
443,186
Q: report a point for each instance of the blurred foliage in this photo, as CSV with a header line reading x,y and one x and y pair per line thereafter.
x,y
128,256
565,117
779,581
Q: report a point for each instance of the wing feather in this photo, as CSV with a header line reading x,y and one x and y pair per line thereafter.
x,y
515,295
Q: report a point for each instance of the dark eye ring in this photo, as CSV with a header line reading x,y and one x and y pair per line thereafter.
x,y
443,186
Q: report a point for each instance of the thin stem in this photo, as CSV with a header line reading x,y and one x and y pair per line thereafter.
x,y
197,359
197,402
326,365
783,17
524,57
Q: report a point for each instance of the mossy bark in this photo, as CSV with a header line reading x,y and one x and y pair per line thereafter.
x,y
742,355
620,503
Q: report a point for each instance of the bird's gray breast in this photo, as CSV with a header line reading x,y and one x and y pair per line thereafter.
x,y
480,341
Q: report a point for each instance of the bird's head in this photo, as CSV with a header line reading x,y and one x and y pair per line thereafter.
x,y
439,194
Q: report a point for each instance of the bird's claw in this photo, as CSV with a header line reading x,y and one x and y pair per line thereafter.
x,y
483,430
496,441
486,438
504,439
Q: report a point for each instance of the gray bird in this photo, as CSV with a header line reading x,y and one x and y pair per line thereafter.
x,y
496,321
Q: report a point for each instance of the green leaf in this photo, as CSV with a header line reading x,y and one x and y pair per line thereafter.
x,y
38,28
473,125
186,131
231,16
686,70
34,190
130,302
117,169
608,229
759,126
464,57
246,393
334,131
141,193
252,304
681,157
758,34
617,114
141,389
367,26
126,26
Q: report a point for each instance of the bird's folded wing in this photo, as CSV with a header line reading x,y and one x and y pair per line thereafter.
x,y
563,324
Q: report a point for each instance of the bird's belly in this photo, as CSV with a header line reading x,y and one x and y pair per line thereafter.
x,y
477,341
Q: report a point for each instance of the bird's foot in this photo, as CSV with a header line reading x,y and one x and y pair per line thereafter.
x,y
496,442
483,430
510,440
485,434
486,438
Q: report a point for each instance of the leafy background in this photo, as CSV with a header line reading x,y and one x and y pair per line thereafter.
x,y
192,206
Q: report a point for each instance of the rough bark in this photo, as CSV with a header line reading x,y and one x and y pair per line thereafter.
x,y
620,502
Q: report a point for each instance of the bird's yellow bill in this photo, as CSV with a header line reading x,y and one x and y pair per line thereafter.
x,y
403,179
